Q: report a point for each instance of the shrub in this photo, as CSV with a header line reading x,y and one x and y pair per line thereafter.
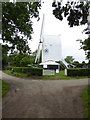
x,y
9,68
35,71
78,72
28,70
25,61
21,59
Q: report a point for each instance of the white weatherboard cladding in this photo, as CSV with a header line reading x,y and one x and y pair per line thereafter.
x,y
51,48
48,72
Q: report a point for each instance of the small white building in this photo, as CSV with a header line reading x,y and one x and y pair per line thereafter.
x,y
50,65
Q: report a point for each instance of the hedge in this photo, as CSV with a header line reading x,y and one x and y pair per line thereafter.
x,y
28,70
78,72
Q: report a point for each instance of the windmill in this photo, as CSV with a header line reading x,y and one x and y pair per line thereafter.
x,y
51,50
40,42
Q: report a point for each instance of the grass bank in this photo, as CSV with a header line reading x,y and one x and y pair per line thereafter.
x,y
4,87
57,76
86,101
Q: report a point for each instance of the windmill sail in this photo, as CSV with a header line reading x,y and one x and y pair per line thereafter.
x,y
42,29
38,53
40,42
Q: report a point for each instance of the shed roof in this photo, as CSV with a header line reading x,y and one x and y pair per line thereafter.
x,y
50,62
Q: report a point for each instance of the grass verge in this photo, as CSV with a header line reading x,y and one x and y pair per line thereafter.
x,y
0,88
57,76
15,73
86,101
4,86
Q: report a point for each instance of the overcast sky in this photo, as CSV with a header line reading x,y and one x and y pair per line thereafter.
x,y
53,26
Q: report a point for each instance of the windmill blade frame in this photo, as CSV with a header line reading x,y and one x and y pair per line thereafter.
x,y
38,53
40,42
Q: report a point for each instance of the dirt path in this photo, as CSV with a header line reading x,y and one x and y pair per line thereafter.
x,y
43,99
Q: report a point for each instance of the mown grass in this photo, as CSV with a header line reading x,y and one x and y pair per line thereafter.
x,y
0,88
15,73
86,101
61,76
57,76
4,87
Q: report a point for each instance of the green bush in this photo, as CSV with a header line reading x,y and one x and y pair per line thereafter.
x,y
28,70
9,68
78,72
20,59
35,71
25,61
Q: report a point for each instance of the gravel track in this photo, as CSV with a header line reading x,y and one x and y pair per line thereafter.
x,y
43,99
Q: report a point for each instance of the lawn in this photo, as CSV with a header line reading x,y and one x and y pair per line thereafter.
x,y
4,87
61,76
86,101
57,76
15,73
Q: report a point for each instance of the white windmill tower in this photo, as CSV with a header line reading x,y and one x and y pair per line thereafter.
x,y
51,50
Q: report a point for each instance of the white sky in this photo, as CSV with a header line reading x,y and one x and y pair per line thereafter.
x,y
53,26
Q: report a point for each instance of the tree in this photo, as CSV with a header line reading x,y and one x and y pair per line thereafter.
x,y
15,59
0,16
20,59
4,55
85,45
77,64
69,59
17,23
77,14
25,61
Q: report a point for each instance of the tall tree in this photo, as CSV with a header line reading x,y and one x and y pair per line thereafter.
x,y
4,56
17,23
77,14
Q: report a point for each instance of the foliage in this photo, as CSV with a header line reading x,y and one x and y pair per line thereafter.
x,y
78,72
77,64
30,71
86,101
4,55
80,65
85,45
35,71
20,59
0,56
17,23
58,76
69,59
77,14
15,59
0,88
8,68
25,61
